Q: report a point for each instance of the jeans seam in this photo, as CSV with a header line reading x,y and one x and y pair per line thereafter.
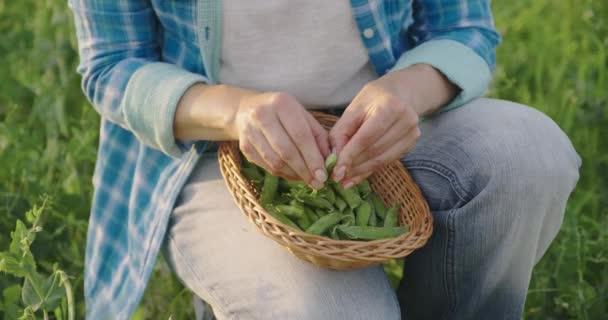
x,y
450,280
199,279
443,171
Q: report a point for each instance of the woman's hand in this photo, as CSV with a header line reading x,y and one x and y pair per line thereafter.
x,y
381,123
277,133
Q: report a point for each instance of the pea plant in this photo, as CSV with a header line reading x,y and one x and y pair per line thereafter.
x,y
41,294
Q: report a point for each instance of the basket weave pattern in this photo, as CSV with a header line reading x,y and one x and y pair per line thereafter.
x,y
392,184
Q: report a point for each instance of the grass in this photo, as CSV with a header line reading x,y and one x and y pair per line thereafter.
x,y
554,57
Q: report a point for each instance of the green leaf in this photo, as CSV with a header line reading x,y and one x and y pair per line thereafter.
x,y
10,306
12,264
42,293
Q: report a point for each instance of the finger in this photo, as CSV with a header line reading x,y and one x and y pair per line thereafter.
x,y
321,136
267,157
345,127
370,131
396,151
302,136
398,131
348,183
282,144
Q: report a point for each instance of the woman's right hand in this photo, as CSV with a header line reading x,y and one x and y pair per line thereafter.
x,y
277,133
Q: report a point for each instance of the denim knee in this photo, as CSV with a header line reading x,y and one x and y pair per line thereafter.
x,y
491,141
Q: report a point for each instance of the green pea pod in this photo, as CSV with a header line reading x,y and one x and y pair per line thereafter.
x,y
291,210
334,233
370,233
303,222
269,188
379,206
391,216
362,214
330,162
317,202
351,195
252,174
340,204
282,218
324,223
373,219
312,216
348,217
328,193
364,188
322,212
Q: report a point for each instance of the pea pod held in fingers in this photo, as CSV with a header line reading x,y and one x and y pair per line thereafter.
x,y
330,162
324,223
391,216
269,188
370,233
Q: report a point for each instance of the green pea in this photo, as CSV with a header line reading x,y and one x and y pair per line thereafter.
x,y
282,218
364,188
252,174
334,233
370,233
317,202
340,204
303,221
348,217
391,216
330,162
373,219
291,210
379,206
362,214
351,195
322,212
328,193
312,216
324,223
269,188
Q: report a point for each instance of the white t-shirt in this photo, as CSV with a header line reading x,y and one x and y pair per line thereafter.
x,y
309,48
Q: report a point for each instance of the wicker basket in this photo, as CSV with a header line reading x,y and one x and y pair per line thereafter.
x,y
392,183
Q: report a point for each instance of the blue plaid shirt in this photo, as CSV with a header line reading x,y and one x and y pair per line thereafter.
x,y
137,59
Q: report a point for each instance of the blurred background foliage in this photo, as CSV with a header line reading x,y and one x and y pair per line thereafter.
x,y
554,57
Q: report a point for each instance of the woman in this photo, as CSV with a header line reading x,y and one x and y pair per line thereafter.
x,y
171,77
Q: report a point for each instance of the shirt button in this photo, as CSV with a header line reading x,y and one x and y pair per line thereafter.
x,y
368,33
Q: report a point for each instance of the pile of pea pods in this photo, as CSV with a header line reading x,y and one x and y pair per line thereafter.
x,y
332,211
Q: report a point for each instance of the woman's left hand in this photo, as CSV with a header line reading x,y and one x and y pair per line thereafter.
x,y
381,123
376,128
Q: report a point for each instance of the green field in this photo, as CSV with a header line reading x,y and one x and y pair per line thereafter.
x,y
554,57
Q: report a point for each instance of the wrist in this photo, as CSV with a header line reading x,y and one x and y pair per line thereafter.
x,y
208,112
422,87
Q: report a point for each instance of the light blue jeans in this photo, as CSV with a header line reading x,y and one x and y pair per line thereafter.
x,y
496,175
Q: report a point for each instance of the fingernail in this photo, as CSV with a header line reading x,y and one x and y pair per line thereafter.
x,y
339,174
348,185
321,175
316,184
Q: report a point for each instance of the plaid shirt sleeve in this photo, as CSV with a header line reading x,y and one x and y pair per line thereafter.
x,y
122,74
458,38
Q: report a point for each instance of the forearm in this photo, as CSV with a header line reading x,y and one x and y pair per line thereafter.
x,y
421,86
207,112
